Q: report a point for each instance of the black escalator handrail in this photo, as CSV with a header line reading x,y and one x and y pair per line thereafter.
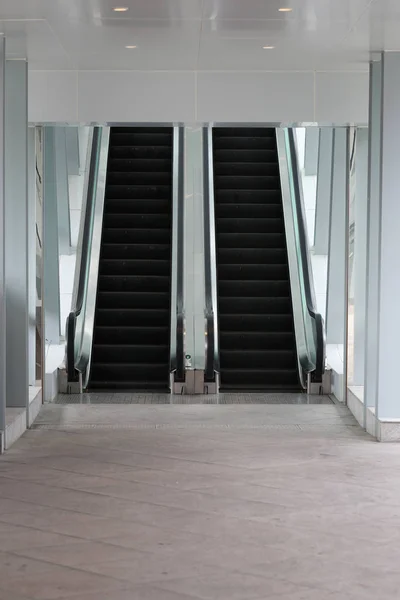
x,y
211,362
73,375
179,366
319,329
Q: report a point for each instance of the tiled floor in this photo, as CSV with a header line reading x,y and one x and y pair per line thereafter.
x,y
210,502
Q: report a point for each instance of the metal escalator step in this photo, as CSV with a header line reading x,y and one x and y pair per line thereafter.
x,y
132,299
132,317
245,132
136,178
261,289
130,235
140,192
253,340
245,155
141,138
126,266
134,353
142,385
134,221
140,165
246,169
131,335
243,143
135,130
253,272
245,210
158,206
232,196
250,225
259,323
137,251
130,372
134,283
248,183
250,240
140,152
266,256
256,306
258,359
260,377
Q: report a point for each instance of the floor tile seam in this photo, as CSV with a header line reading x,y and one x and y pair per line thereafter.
x,y
74,569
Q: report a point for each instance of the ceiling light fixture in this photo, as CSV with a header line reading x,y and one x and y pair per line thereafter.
x,y
268,47
130,47
285,9
120,9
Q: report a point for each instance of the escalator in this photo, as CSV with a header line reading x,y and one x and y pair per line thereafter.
x,y
119,332
256,328
260,303
132,322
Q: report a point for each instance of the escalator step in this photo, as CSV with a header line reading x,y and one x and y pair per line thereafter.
x,y
255,306
250,225
261,289
117,299
259,359
247,272
251,240
114,235
140,385
244,143
246,210
134,283
131,335
258,323
246,132
245,155
141,165
117,266
264,378
232,196
140,152
140,192
136,138
153,371
159,206
246,169
266,256
113,353
248,183
136,251
134,221
125,178
132,317
253,340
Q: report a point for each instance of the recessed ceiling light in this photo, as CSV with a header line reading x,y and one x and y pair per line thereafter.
x,y
285,9
130,47
268,47
120,9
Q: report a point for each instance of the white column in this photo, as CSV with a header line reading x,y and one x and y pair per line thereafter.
x,y
194,248
32,253
360,254
388,256
324,185
2,258
51,279
311,151
373,239
336,308
62,190
16,233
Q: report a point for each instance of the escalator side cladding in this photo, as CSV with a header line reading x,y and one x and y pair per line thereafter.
x,y
256,328
131,345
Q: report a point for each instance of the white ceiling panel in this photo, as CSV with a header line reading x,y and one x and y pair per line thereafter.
x,y
36,41
306,10
160,44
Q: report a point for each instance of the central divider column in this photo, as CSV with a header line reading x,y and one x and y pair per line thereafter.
x,y
194,293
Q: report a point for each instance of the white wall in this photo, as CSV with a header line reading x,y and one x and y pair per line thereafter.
x,y
192,97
